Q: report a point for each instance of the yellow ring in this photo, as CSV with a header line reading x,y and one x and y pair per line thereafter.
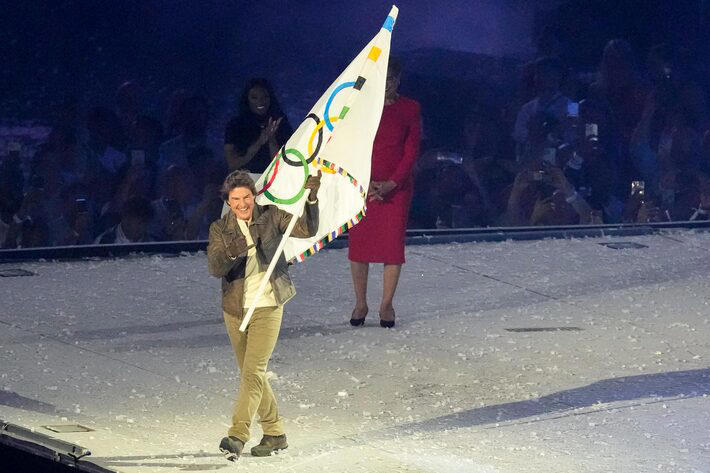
x,y
310,143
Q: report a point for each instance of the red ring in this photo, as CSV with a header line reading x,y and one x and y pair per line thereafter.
x,y
271,181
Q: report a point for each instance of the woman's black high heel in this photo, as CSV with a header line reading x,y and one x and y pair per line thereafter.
x,y
357,322
387,323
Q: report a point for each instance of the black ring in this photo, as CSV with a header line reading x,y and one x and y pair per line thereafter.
x,y
315,152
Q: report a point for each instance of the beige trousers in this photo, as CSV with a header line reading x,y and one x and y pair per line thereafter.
x,y
253,350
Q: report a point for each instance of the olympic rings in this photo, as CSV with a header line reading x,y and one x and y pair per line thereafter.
x,y
274,166
283,153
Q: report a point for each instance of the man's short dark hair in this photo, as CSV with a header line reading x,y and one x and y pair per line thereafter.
x,y
239,178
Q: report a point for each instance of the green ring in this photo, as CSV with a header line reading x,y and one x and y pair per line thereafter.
x,y
295,198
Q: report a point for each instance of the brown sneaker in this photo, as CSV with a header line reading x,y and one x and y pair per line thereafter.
x,y
269,444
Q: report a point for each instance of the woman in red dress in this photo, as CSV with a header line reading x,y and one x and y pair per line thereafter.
x,y
379,238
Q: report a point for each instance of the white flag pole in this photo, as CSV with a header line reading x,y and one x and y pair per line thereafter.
x,y
272,265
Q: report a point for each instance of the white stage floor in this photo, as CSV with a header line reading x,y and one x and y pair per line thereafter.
x,y
135,349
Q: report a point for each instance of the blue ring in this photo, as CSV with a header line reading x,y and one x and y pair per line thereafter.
x,y
326,114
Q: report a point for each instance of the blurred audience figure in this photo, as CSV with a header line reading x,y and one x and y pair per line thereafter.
x,y
102,161
541,123
464,187
28,225
61,148
12,182
701,207
135,183
621,90
445,195
458,198
11,195
591,163
192,141
210,205
204,168
27,233
180,212
549,42
74,225
136,215
666,146
252,139
46,180
485,161
544,195
144,148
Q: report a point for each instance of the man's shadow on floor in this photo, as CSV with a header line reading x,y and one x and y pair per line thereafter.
x,y
687,384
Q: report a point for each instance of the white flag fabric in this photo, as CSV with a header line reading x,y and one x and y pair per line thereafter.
x,y
336,138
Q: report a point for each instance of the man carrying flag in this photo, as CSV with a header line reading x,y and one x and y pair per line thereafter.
x,y
233,255
335,142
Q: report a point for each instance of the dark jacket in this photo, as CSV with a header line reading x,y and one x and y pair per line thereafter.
x,y
267,228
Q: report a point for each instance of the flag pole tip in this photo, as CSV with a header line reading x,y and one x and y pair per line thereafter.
x,y
391,19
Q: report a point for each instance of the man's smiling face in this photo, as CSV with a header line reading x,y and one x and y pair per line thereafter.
x,y
241,201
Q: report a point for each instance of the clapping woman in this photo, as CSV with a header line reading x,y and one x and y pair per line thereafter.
x,y
253,137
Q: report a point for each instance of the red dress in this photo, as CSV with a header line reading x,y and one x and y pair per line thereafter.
x,y
379,237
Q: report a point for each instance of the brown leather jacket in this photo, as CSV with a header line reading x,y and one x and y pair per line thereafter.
x,y
267,227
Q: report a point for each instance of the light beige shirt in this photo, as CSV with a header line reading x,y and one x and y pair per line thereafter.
x,y
252,276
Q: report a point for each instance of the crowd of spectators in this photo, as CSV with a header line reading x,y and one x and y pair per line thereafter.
x,y
119,177
628,143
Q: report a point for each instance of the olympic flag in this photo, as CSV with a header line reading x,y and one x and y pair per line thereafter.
x,y
336,138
